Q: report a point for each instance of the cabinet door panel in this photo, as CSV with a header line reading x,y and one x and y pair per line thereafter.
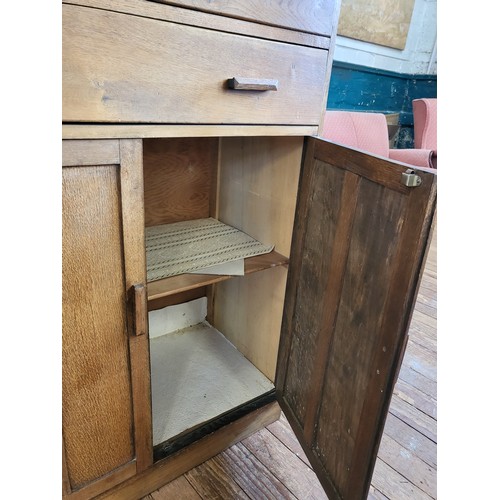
x,y
358,250
97,411
104,387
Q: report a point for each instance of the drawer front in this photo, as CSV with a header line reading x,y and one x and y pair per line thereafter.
x,y
311,16
119,68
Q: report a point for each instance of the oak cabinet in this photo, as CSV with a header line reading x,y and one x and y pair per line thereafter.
x,y
162,368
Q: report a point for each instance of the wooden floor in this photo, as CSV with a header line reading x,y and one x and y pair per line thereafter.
x,y
271,464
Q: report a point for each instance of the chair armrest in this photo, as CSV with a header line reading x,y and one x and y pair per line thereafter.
x,y
417,157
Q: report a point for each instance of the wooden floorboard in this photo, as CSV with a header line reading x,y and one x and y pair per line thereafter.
x,y
271,463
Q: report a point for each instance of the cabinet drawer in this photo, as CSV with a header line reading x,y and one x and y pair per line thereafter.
x,y
301,15
128,69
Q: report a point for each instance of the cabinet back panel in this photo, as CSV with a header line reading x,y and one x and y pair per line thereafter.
x,y
97,412
178,179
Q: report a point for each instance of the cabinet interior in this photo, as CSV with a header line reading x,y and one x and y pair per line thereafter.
x,y
214,338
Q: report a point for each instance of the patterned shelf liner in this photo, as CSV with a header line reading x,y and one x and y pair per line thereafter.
x,y
183,247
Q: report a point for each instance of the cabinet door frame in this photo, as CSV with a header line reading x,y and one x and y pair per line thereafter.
x,y
344,370
127,154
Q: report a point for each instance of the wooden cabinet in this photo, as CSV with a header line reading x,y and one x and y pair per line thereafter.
x,y
163,370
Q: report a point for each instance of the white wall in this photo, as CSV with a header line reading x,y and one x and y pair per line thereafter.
x,y
418,57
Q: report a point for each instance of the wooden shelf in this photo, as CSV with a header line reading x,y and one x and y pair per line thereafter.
x,y
186,282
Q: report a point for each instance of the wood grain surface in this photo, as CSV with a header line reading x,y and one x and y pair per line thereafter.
x,y
258,190
112,131
97,407
130,69
313,17
192,17
342,342
132,198
178,178
106,394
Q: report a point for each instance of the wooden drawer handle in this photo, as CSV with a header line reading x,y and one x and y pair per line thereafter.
x,y
140,309
261,84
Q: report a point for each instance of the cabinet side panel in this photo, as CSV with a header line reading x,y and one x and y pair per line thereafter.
x,y
97,412
258,182
248,311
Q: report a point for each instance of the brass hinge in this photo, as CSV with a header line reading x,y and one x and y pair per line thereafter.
x,y
410,178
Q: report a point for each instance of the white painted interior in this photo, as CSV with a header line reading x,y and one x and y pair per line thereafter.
x,y
173,318
196,375
418,57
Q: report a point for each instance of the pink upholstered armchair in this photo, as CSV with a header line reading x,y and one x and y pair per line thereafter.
x,y
425,125
369,132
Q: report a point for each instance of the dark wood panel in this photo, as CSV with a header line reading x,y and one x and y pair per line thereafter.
x,y
367,279
367,166
341,352
319,255
97,408
178,177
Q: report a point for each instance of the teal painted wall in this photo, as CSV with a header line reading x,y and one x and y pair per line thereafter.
x,y
360,88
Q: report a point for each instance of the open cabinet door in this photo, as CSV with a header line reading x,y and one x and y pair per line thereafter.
x,y
360,239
